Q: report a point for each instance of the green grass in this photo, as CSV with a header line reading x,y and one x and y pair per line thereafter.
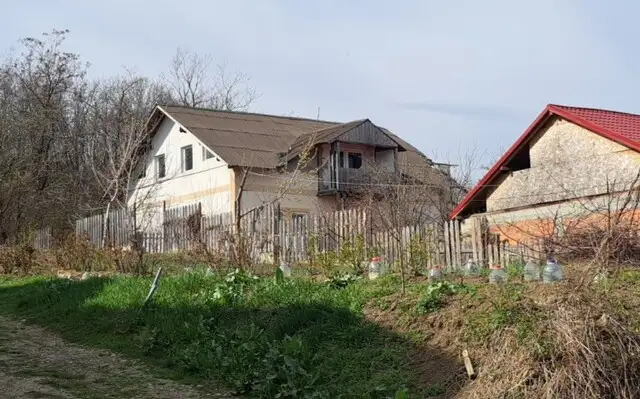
x,y
262,336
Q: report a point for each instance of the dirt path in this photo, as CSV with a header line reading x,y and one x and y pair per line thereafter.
x,y
35,363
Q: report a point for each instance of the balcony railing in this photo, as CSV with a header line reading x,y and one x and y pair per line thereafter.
x,y
348,180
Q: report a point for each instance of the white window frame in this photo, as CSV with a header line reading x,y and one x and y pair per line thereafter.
x,y
206,154
183,152
164,166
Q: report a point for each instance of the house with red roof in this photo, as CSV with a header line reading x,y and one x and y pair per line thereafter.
x,y
569,163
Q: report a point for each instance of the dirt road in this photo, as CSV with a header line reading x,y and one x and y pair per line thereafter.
x,y
35,363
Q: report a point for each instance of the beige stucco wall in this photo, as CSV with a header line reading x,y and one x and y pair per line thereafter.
x,y
567,161
296,189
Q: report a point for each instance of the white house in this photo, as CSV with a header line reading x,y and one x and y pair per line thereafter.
x,y
200,155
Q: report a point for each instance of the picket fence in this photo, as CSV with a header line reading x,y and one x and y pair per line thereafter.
x,y
269,235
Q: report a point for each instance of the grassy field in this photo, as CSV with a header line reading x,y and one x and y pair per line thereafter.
x,y
261,336
298,338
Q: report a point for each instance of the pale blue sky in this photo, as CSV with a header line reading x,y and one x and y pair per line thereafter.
x,y
443,75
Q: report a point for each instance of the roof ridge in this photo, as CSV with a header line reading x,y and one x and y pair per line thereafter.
x,y
295,118
568,107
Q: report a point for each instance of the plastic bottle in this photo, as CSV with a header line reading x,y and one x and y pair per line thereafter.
x,y
497,275
470,268
376,268
552,272
531,271
286,269
435,274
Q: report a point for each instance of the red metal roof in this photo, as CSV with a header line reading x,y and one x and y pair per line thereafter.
x,y
621,127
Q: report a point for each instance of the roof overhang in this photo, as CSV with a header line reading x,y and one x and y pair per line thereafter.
x,y
549,111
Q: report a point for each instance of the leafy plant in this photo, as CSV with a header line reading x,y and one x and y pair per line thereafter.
x,y
435,295
231,289
342,280
419,253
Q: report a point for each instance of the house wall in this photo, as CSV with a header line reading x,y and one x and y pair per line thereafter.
x,y
386,158
209,182
575,175
567,161
296,190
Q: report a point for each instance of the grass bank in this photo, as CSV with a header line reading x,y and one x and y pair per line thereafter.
x,y
263,337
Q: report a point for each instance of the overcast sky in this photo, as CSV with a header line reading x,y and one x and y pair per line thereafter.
x,y
448,76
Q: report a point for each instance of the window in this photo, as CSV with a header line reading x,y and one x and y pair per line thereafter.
x,y
355,160
160,166
352,161
206,154
143,171
187,158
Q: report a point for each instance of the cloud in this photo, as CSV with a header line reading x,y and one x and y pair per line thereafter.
x,y
462,110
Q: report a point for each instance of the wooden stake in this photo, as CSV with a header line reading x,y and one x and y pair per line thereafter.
x,y
154,287
467,364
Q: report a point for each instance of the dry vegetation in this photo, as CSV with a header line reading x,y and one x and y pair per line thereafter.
x,y
529,341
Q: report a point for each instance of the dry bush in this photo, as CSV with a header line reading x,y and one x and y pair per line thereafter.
x,y
77,253
554,342
623,247
18,259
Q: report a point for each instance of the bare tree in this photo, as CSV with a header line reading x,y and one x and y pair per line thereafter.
x,y
120,109
41,92
195,81
293,175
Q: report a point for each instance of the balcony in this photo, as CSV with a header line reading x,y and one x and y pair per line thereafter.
x,y
348,180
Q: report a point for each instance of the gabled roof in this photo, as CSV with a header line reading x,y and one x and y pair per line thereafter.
x,y
620,127
244,139
333,133
257,140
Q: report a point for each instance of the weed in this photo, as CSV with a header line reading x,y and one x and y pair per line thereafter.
x,y
508,309
515,270
342,280
435,295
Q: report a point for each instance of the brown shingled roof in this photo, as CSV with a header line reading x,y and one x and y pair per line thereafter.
x,y
244,139
257,140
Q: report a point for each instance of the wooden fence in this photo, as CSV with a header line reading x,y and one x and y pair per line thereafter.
x,y
269,235
42,239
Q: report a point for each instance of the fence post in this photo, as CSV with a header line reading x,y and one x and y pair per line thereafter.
x,y
276,235
165,239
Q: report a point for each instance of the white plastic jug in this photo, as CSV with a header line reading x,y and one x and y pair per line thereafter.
x,y
497,275
286,269
435,274
376,268
552,272
470,268
531,271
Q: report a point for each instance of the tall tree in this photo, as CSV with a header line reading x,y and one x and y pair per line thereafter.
x,y
195,81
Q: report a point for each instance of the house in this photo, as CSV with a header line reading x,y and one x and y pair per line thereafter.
x,y
222,159
570,163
